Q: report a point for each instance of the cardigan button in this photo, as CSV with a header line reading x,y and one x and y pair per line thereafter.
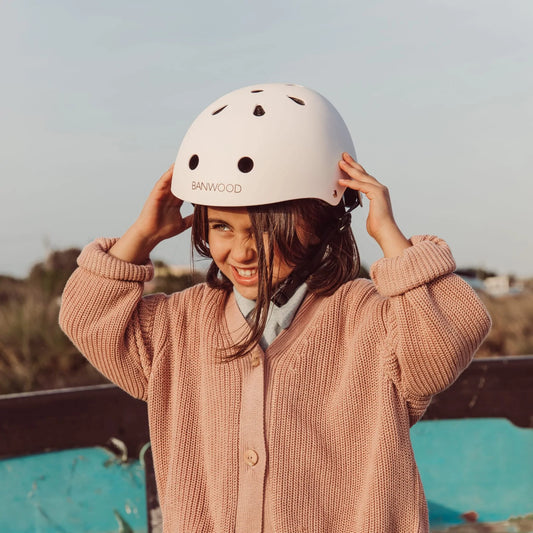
x,y
251,457
256,360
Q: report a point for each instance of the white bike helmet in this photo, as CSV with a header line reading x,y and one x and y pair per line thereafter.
x,y
263,144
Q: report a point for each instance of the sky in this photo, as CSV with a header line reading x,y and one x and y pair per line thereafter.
x,y
97,96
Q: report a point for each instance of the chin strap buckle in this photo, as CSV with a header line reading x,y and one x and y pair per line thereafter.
x,y
286,289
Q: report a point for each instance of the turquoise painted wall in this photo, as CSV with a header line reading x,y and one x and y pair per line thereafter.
x,y
86,490
482,465
479,464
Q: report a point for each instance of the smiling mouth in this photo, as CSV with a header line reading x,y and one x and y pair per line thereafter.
x,y
246,272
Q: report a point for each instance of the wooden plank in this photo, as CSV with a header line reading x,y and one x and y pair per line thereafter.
x,y
71,418
500,387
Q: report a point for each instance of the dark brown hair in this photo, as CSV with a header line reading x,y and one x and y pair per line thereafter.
x,y
281,223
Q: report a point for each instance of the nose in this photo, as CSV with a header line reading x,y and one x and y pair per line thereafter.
x,y
244,249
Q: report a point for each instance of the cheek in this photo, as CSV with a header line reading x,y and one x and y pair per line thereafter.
x,y
212,243
218,249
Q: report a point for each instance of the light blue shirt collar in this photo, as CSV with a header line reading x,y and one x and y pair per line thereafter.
x,y
279,318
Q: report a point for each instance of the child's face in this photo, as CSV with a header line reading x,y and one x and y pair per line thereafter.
x,y
233,249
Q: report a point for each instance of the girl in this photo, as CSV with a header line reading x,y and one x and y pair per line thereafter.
x,y
281,391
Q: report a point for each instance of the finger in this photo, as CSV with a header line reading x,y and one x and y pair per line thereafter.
x,y
187,221
349,173
348,166
371,188
167,175
164,183
358,172
348,159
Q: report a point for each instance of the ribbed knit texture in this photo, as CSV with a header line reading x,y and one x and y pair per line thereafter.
x,y
326,409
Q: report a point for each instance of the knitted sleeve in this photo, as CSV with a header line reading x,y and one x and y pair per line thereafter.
x,y
435,320
104,314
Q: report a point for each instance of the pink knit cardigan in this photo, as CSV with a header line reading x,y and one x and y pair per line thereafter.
x,y
311,435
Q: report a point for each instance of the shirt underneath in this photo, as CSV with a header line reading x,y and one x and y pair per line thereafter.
x,y
278,318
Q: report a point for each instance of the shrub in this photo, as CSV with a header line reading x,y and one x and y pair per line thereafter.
x,y
34,353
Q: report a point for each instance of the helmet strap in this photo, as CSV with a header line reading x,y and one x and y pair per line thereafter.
x,y
288,287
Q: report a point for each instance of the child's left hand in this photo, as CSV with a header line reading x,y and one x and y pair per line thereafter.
x,y
380,223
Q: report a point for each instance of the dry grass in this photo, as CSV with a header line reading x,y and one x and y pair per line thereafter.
x,y
34,353
512,325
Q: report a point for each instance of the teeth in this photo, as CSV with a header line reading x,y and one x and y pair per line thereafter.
x,y
247,273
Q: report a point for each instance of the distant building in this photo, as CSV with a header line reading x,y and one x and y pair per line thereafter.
x,y
491,283
163,270
473,276
476,283
497,285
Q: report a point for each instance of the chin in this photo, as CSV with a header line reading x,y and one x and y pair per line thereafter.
x,y
247,292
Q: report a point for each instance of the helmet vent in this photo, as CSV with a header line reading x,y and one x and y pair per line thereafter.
x,y
257,91
219,110
193,162
297,100
245,164
259,111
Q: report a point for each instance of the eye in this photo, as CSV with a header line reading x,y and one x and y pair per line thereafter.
x,y
219,226
245,164
193,162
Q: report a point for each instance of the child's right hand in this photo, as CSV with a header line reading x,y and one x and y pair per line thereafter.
x,y
159,219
